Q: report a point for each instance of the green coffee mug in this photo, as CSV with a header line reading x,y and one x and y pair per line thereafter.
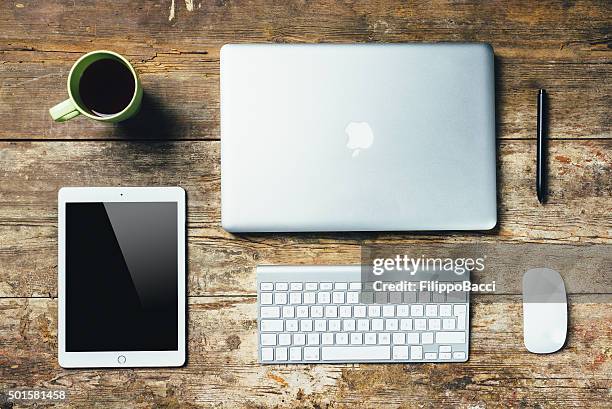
x,y
100,87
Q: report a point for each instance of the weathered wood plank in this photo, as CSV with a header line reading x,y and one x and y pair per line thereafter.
x,y
182,98
222,370
178,59
546,30
579,211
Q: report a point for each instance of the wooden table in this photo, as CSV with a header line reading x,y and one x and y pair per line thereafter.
x,y
561,46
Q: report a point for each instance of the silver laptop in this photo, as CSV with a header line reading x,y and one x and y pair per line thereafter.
x,y
357,137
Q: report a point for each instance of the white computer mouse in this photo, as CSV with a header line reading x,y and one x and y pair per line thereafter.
x,y
544,311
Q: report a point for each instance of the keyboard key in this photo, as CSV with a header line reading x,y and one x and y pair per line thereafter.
x,y
355,286
311,354
288,312
271,325
461,321
302,311
412,338
388,311
380,297
270,312
267,354
295,298
299,339
403,310
363,325
458,355
284,339
325,286
444,348
281,354
266,286
265,298
400,352
434,323
282,286
445,355
374,311
399,338
420,324
338,297
306,325
445,310
295,354
359,311
448,323
312,339
424,296
377,324
311,286
327,338
456,296
416,310
268,339
342,338
366,297
406,324
334,325
348,325
460,309
450,337
355,353
292,325
340,286
309,298
345,311
323,297
384,338
356,338
352,297
280,298
427,338
316,311
438,297
295,286
391,324
395,297
331,311
431,356
416,352
320,325
410,297
431,310
370,338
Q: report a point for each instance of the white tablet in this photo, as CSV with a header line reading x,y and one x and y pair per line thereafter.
x,y
121,276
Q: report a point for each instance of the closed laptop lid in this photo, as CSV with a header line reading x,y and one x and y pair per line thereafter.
x,y
357,137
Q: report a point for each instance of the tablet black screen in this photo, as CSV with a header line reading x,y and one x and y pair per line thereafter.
x,y
121,276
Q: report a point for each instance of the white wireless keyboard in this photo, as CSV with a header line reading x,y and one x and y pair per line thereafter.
x,y
315,314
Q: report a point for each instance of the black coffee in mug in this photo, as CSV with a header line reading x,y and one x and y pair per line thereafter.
x,y
106,87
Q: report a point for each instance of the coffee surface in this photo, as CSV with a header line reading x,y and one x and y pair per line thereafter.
x,y
106,87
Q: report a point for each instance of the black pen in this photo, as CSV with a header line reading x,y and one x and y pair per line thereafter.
x,y
541,149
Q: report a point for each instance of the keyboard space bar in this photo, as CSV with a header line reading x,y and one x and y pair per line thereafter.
x,y
355,353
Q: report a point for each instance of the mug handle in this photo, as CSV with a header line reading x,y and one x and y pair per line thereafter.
x,y
64,111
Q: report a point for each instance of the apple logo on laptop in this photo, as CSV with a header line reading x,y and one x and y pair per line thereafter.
x,y
360,136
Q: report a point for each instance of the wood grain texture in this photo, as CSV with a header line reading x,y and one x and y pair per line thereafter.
x,y
579,211
577,31
537,45
222,370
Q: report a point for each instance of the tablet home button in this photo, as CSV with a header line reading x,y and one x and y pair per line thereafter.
x,y
121,359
